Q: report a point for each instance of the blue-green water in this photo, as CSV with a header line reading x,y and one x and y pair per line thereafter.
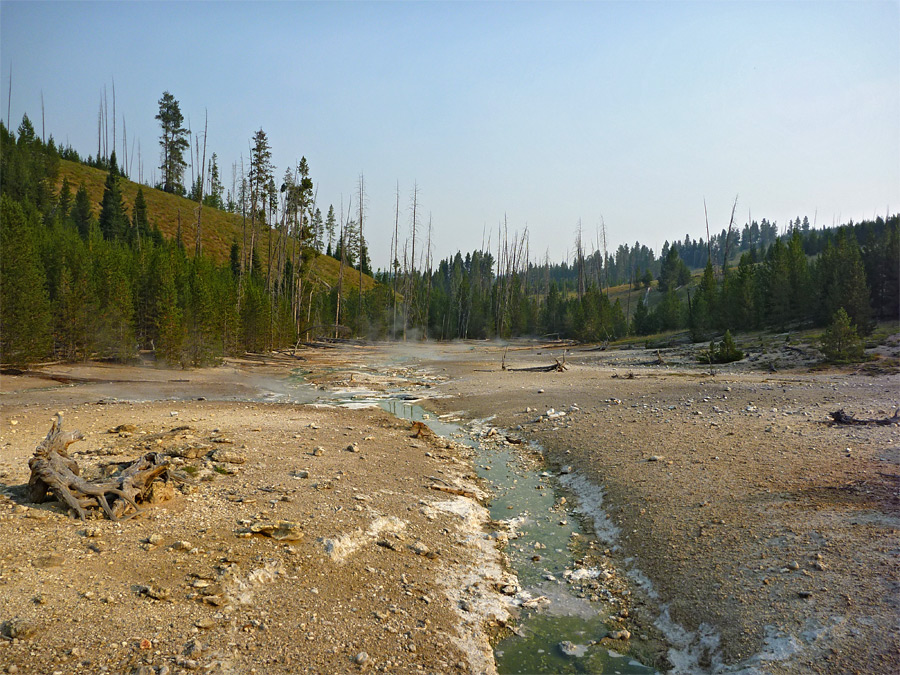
x,y
547,533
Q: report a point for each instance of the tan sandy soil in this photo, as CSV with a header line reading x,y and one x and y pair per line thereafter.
x,y
738,508
375,583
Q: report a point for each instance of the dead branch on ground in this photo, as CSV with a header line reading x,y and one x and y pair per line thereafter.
x,y
840,417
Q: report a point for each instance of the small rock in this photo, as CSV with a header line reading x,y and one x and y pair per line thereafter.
x,y
318,451
655,458
227,456
361,659
283,530
19,628
187,664
353,447
571,649
567,469
419,548
620,635
153,592
182,546
155,539
48,561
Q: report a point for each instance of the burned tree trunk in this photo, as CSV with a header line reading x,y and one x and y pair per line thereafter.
x,y
54,473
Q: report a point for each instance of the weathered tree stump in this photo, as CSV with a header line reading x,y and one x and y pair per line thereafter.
x,y
56,475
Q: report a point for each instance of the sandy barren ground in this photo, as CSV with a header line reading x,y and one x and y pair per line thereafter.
x,y
374,581
753,520
757,535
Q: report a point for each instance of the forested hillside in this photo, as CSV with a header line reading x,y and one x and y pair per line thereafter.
x,y
97,266
103,268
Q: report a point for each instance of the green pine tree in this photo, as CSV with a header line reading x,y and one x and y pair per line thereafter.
x,y
841,343
25,321
114,223
173,143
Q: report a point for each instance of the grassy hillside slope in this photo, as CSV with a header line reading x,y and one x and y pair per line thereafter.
x,y
219,228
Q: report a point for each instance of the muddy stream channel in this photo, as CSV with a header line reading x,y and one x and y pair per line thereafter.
x,y
569,595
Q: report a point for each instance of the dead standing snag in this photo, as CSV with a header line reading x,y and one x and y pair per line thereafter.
x,y
54,472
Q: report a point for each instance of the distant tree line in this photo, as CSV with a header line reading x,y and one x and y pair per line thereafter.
x,y
74,286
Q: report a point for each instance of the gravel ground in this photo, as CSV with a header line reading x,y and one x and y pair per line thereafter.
x,y
766,532
757,536
370,577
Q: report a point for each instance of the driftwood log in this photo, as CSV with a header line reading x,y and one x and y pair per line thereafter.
x,y
56,475
557,367
840,417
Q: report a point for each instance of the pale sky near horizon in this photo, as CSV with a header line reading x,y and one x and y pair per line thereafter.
x,y
540,112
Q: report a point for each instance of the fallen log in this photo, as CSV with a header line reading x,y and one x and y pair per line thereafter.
x,y
558,367
840,417
56,475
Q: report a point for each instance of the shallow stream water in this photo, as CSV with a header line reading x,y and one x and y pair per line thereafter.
x,y
542,551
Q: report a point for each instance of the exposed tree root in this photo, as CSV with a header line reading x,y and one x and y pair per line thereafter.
x,y
56,475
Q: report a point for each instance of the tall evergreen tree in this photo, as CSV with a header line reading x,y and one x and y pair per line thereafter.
x,y
173,142
82,213
841,280
114,223
213,196
330,225
140,223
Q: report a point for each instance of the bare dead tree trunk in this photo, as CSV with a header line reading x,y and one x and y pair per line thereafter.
x,y
337,313
9,96
395,264
361,247
406,291
728,236
410,295
604,262
114,114
579,260
125,148
197,244
708,240
428,282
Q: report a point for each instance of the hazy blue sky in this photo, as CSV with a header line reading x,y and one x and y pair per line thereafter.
x,y
544,112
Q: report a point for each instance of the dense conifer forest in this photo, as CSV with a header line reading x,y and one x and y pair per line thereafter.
x,y
80,282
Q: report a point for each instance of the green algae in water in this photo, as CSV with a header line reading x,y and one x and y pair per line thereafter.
x,y
538,651
532,499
